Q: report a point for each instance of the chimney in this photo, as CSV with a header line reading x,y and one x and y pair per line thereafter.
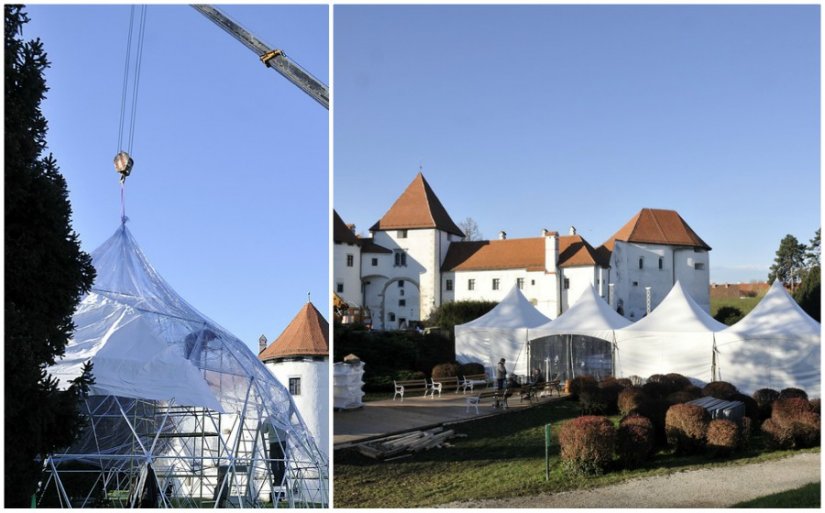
x,y
502,235
551,251
261,344
544,232
572,230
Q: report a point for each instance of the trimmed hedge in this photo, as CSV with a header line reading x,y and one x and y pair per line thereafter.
x,y
793,424
722,437
719,390
764,398
634,440
611,388
751,406
630,399
815,406
578,383
686,427
445,370
791,393
587,445
469,369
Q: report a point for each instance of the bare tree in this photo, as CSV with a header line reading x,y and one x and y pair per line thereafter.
x,y
470,229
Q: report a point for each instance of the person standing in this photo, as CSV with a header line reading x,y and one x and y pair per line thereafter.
x,y
501,374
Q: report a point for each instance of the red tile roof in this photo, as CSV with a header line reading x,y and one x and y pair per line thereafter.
x,y
656,226
417,207
306,335
525,254
341,232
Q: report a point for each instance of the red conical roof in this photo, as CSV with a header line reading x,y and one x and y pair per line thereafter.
x,y
306,335
417,207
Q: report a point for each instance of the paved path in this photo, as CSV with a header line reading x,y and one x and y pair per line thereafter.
x,y
706,488
377,418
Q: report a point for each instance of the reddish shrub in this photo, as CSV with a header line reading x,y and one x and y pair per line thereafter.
x,y
611,388
634,440
786,411
686,426
577,383
722,437
625,382
751,408
631,399
469,369
815,406
656,389
693,390
792,393
806,430
587,444
678,382
719,390
446,370
679,397
764,398
777,436
591,397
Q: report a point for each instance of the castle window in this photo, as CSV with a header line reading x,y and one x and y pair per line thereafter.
x,y
471,284
641,262
532,282
375,262
401,284
402,302
699,266
350,260
566,283
295,386
520,283
391,317
339,288
635,283
401,234
449,285
496,283
661,263
400,258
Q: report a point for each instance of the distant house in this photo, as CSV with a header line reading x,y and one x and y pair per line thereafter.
x,y
417,259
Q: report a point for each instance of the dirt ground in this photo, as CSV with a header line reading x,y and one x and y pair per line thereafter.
x,y
705,488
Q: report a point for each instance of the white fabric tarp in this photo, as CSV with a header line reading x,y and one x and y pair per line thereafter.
x,y
590,315
777,345
500,333
347,382
677,336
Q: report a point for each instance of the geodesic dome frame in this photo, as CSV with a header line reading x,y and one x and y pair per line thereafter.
x,y
182,413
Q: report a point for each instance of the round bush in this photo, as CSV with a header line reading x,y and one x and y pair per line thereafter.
x,y
793,424
751,407
630,399
745,429
591,397
786,411
815,406
679,397
634,440
469,369
777,436
722,437
587,444
719,390
656,389
445,370
792,393
693,390
677,381
686,426
764,398
578,383
611,388
625,382
656,378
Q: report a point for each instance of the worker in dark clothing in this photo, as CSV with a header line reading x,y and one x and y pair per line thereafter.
x,y
501,374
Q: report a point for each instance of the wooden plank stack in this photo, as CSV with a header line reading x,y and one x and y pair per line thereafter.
x,y
406,443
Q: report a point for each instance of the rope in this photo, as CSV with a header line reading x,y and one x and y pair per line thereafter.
x,y
138,62
125,81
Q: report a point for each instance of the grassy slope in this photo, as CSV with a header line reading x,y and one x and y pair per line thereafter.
x,y
502,456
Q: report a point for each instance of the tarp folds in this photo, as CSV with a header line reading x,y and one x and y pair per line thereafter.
x,y
777,345
500,333
678,336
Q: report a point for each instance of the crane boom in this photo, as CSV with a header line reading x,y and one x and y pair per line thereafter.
x,y
275,59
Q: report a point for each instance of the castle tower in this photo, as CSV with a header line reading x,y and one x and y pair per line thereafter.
x,y
299,359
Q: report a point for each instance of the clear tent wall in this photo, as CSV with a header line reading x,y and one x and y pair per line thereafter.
x,y
562,357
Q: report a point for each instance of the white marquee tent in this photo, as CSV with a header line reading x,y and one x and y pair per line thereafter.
x,y
579,341
677,336
181,410
500,333
777,345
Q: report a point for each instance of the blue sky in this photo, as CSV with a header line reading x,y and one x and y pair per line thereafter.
x,y
531,117
229,196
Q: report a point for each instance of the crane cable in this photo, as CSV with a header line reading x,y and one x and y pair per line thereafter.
x,y
123,160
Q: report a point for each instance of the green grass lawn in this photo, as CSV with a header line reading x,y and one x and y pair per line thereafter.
x,y
745,304
806,497
502,456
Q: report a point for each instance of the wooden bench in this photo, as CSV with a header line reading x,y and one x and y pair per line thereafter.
x,y
473,380
499,399
409,385
438,385
549,387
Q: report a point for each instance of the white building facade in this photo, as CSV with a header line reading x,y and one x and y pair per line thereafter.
x,y
417,260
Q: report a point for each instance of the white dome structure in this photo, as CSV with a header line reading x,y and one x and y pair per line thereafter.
x,y
182,413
